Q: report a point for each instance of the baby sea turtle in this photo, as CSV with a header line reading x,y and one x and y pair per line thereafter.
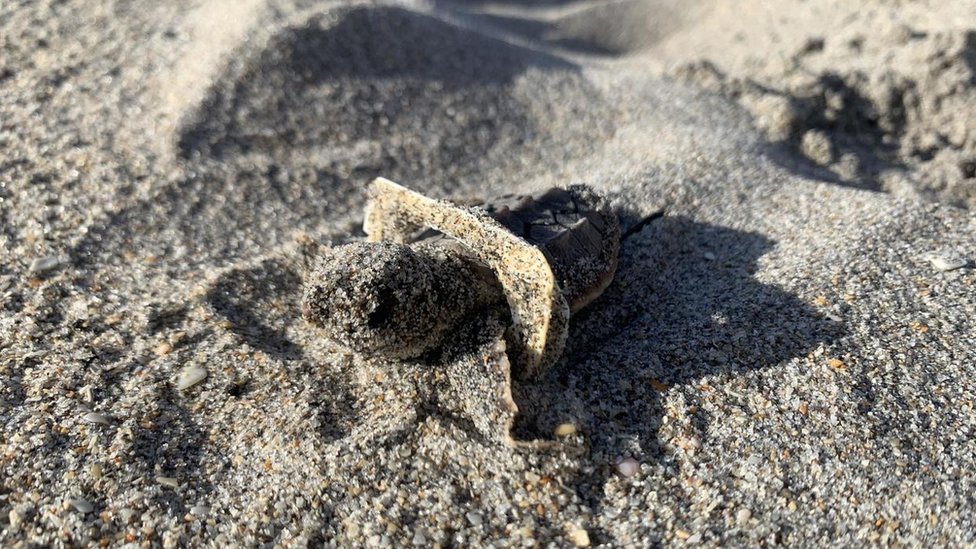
x,y
428,263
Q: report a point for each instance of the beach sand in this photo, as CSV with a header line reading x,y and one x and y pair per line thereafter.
x,y
787,352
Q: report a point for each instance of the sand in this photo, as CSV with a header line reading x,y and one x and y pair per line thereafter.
x,y
785,356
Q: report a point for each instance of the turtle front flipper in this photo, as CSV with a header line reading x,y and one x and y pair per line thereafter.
x,y
540,313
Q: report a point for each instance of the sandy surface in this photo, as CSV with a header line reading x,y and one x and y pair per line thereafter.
x,y
788,352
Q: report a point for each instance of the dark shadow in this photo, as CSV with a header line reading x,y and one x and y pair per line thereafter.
x,y
161,317
168,442
14,302
855,138
853,124
969,53
261,303
683,305
335,406
12,392
16,169
255,299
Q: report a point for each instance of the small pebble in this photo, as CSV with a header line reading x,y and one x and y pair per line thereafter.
x,y
743,515
95,471
14,518
163,349
627,467
475,518
709,256
126,514
190,376
946,261
200,510
168,481
837,364
419,538
565,430
95,417
576,535
44,264
816,146
81,505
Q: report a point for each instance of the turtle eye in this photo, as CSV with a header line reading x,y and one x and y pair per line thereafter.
x,y
383,313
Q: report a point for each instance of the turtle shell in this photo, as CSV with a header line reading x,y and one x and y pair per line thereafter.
x,y
576,230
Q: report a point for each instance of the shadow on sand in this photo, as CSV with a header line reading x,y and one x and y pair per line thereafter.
x,y
685,305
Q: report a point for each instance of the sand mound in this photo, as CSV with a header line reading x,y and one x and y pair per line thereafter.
x,y
888,111
444,104
285,139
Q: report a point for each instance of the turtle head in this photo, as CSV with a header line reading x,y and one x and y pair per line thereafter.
x,y
374,297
